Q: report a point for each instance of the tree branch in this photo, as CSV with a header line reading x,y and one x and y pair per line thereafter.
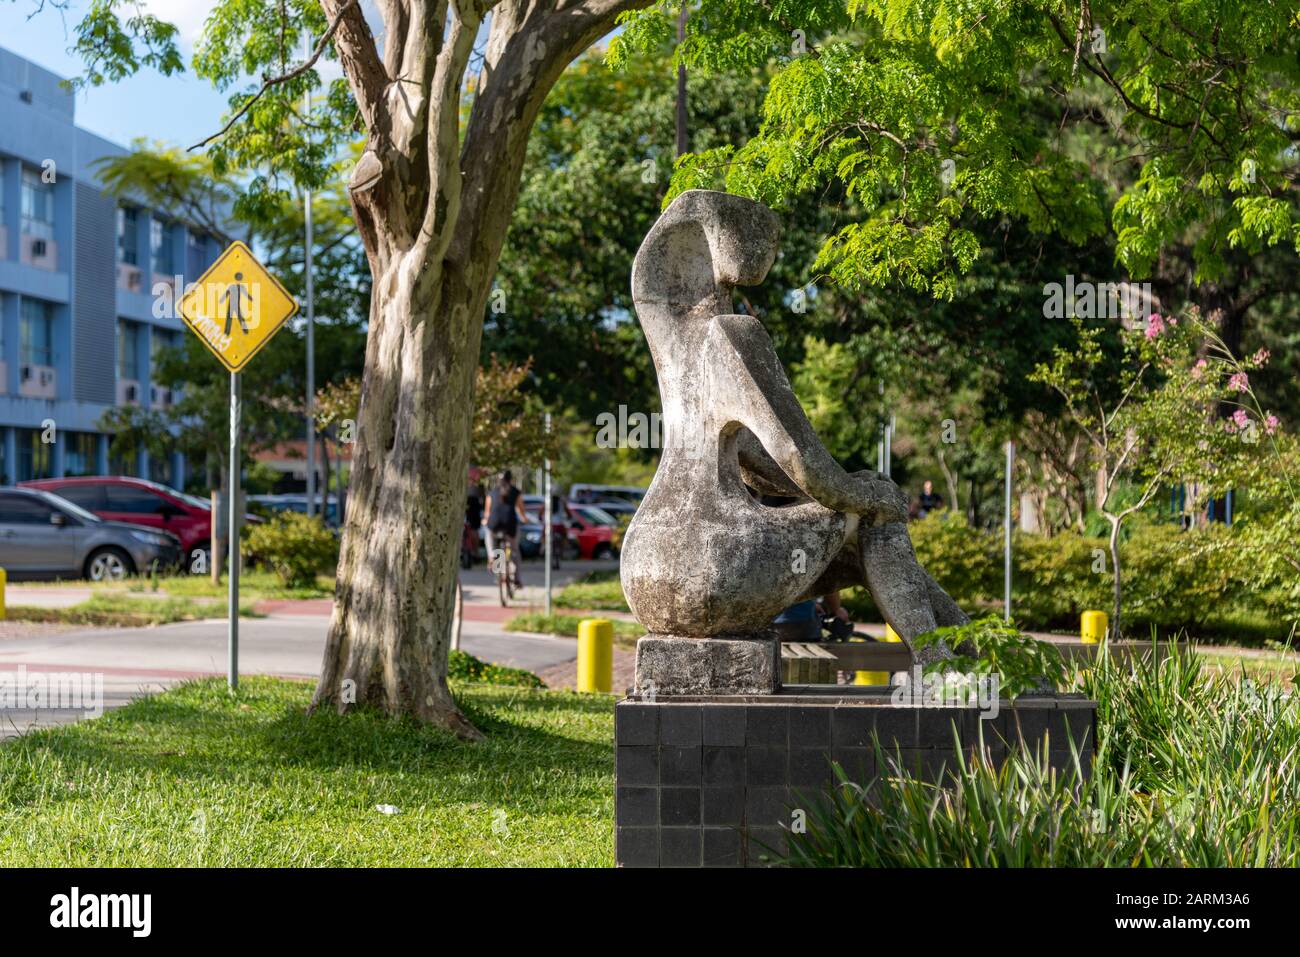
x,y
268,82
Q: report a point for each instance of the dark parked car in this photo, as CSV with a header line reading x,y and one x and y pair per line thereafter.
x,y
45,536
140,502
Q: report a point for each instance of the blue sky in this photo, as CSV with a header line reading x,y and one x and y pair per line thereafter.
x,y
180,110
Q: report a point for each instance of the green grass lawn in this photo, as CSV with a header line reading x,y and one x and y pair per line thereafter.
x,y
198,777
625,632
1275,669
254,584
115,610
599,590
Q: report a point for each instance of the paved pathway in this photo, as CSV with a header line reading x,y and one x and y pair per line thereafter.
x,y
288,642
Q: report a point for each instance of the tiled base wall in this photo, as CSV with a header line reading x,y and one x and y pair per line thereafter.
x,y
715,782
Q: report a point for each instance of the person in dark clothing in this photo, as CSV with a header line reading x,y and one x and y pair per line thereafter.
x,y
930,501
503,515
802,621
474,505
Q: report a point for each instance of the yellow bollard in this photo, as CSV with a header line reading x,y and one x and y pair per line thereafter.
x,y
876,677
596,655
1093,627
4,584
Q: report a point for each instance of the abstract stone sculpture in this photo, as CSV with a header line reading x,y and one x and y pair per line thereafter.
x,y
704,558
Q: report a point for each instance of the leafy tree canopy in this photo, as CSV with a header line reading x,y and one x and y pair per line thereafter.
x,y
1169,121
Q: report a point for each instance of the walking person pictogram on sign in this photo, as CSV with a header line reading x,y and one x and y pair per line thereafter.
x,y
233,299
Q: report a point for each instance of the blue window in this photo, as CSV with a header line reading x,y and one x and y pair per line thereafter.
x,y
128,235
160,242
38,205
37,330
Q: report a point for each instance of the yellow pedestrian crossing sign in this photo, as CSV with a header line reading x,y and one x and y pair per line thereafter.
x,y
236,307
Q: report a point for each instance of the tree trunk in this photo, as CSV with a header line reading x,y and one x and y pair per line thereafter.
x,y
217,535
950,479
322,441
340,484
1115,570
433,198
390,632
682,115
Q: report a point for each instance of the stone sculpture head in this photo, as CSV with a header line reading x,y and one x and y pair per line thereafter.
x,y
705,244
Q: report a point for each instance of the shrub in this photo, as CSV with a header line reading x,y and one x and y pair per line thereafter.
x,y
465,667
991,646
1172,578
1191,770
296,547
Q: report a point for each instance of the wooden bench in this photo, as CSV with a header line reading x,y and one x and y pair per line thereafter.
x,y
815,663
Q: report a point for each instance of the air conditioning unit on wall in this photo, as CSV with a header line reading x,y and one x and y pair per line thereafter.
x,y
37,381
128,392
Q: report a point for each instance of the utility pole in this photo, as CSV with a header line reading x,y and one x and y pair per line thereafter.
x,y
311,343
683,136
546,520
1006,523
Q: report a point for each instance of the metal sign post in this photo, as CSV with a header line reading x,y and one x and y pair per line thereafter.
x,y
232,517
234,309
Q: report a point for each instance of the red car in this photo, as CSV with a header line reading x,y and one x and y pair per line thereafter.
x,y
141,502
592,528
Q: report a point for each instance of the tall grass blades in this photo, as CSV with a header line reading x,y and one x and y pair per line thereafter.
x,y
1192,769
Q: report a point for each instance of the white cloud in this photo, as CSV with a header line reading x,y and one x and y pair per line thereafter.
x,y
190,15
187,15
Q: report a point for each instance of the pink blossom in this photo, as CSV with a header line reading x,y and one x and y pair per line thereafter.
x,y
1155,325
1239,382
1241,417
1270,424
1260,357
1198,369
1230,427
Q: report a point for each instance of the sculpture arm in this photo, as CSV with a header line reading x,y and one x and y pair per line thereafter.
x,y
754,388
759,471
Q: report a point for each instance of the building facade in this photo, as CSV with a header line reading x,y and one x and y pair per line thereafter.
x,y
78,275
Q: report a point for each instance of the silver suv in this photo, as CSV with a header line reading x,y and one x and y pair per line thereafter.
x,y
45,536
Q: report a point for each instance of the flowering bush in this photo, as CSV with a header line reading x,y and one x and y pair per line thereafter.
x,y
1164,428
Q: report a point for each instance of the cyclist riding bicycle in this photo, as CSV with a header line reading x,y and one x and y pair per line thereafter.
x,y
503,513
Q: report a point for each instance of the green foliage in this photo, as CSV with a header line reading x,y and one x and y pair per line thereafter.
x,y
1195,579
296,547
260,478
167,177
990,645
935,113
114,46
465,667
509,420
1191,770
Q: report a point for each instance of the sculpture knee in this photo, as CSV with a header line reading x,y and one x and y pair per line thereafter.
x,y
888,503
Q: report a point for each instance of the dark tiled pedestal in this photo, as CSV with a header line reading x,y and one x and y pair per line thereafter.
x,y
714,782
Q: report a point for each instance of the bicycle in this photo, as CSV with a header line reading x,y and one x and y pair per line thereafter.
x,y
507,572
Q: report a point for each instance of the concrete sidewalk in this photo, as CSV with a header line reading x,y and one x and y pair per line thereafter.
x,y
138,661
